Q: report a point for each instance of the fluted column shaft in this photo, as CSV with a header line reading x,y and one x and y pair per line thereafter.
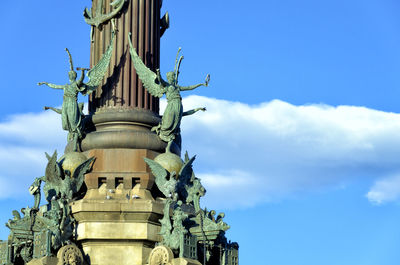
x,y
122,111
121,87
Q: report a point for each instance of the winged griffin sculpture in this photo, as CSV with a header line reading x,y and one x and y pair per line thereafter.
x,y
72,112
169,128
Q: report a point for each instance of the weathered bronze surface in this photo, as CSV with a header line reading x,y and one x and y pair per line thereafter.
x,y
43,230
72,112
98,18
188,220
169,128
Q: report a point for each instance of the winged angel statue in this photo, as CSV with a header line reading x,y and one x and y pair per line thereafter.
x,y
178,188
182,186
55,218
61,187
169,128
72,112
63,184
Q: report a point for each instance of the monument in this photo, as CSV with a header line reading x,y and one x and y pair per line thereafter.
x,y
120,193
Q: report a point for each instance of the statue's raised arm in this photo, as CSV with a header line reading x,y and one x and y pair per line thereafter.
x,y
184,88
51,85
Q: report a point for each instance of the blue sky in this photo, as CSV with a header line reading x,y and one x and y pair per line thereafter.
x,y
300,143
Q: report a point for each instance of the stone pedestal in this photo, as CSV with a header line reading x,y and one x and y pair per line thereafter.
x,y
118,219
116,231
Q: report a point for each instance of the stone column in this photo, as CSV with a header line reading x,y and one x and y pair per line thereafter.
x,y
123,112
118,217
123,89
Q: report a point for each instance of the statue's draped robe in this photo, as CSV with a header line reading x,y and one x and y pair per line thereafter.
x,y
70,116
171,120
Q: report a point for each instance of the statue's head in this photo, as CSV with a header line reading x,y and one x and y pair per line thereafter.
x,y
72,75
171,77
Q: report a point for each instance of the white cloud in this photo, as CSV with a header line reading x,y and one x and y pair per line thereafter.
x,y
284,149
247,154
33,129
385,190
23,140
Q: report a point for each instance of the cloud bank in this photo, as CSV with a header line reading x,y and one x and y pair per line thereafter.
x,y
273,150
247,154
23,140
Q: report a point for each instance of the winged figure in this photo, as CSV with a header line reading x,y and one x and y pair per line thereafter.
x,y
60,183
169,128
190,188
165,181
99,18
183,186
72,112
53,178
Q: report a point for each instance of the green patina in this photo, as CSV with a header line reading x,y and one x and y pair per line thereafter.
x,y
183,192
72,111
169,128
43,230
97,18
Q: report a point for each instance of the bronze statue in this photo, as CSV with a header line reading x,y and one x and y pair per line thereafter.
x,y
173,232
98,19
169,128
43,230
72,112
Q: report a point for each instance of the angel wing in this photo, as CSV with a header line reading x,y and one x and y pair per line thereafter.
x,y
79,174
53,170
186,156
96,74
53,177
167,187
185,178
185,174
147,76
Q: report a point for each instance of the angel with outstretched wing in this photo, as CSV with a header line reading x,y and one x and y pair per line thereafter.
x,y
53,178
164,180
73,183
72,112
169,128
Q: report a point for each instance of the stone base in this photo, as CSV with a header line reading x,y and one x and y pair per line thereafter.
x,y
119,252
119,230
118,218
